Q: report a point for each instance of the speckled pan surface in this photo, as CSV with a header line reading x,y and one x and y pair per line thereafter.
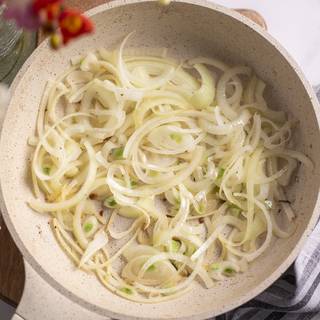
x,y
187,28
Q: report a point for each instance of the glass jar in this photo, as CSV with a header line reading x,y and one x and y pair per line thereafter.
x,y
10,45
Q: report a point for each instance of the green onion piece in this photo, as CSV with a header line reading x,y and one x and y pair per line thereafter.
x,y
169,284
202,207
235,210
215,189
153,173
110,202
191,249
176,137
220,173
152,268
234,206
268,203
126,290
229,271
46,170
88,227
117,153
133,183
214,266
175,245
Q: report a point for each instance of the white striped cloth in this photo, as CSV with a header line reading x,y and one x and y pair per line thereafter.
x,y
296,295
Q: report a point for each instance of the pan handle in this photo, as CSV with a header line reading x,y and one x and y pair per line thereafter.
x,y
254,16
40,301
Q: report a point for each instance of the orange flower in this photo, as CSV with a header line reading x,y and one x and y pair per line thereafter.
x,y
53,11
62,23
73,24
50,8
48,12
42,4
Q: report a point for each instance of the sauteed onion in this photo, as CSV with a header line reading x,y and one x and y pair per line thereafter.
x,y
158,173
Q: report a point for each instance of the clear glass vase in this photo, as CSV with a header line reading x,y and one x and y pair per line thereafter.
x,y
10,45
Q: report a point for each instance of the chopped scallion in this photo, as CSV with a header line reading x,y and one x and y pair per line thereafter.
x,y
126,290
191,249
235,210
175,245
214,267
110,202
117,153
152,268
133,183
153,173
46,170
234,206
176,137
88,227
229,271
220,173
215,189
202,207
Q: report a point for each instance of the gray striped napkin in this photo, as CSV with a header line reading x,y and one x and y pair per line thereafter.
x,y
296,295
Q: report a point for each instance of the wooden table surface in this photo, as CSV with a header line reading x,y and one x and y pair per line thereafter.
x,y
11,263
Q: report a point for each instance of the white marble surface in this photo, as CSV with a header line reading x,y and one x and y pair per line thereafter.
x,y
296,24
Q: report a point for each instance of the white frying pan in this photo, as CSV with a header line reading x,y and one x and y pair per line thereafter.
x,y
188,28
